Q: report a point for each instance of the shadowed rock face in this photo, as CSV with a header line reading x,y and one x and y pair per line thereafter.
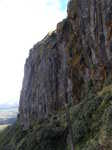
x,y
61,64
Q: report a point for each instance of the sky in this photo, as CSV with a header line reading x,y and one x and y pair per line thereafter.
x,y
22,24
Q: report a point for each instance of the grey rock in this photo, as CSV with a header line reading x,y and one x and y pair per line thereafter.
x,y
63,62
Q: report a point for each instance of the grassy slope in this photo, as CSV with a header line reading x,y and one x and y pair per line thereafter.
x,y
91,122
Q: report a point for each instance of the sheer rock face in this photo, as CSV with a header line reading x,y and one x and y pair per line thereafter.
x,y
44,85
61,64
92,24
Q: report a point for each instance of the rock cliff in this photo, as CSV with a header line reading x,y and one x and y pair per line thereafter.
x,y
72,67
44,82
78,52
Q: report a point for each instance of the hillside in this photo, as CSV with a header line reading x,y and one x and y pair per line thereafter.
x,y
66,97
91,122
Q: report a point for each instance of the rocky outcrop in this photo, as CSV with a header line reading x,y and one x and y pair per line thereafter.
x,y
66,98
44,85
61,65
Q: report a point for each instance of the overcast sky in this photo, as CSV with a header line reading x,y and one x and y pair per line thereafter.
x,y
22,24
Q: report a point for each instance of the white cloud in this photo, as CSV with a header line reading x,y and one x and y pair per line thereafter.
x,y
22,24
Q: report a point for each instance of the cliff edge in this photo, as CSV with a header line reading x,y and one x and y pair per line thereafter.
x,y
78,52
72,66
